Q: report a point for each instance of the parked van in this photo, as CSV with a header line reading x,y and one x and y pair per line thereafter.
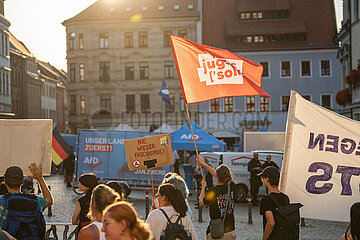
x,y
237,162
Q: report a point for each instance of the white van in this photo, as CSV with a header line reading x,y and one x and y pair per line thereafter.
x,y
237,162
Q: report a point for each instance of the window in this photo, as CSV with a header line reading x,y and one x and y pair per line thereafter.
x,y
104,71
143,39
264,104
325,68
104,40
176,7
191,6
285,103
144,70
105,102
72,72
229,104
82,105
307,97
326,100
144,8
285,69
130,103
128,9
182,104
250,104
161,7
167,38
183,33
81,41
169,69
305,69
71,41
129,71
266,69
82,72
170,107
145,102
215,106
129,40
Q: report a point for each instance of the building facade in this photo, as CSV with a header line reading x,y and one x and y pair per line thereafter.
x,y
25,81
118,55
293,40
5,77
349,54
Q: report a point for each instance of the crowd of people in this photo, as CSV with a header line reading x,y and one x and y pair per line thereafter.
x,y
103,213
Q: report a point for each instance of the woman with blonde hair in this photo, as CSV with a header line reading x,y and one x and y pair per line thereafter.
x,y
120,222
102,197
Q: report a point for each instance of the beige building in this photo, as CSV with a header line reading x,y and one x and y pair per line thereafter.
x,y
118,54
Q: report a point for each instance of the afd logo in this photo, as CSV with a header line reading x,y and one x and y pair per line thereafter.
x,y
189,137
216,147
92,161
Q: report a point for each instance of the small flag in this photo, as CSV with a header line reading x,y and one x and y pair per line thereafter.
x,y
207,73
164,93
60,149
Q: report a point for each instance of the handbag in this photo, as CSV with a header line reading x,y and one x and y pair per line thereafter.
x,y
217,225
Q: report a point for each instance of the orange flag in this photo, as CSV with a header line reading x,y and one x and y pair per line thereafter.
x,y
207,73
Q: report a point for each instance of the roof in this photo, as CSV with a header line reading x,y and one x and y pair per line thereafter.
x,y
18,45
126,9
46,69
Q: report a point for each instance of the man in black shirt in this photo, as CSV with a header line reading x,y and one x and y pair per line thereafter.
x,y
269,163
254,167
270,178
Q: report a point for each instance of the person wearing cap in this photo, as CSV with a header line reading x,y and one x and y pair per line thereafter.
x,y
270,177
87,182
13,180
254,167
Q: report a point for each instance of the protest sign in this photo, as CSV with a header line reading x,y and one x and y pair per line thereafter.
x,y
25,141
149,152
321,164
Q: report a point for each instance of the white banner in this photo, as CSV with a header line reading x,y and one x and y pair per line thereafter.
x,y
321,165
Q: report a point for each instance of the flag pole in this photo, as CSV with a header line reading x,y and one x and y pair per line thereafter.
x,y
152,184
192,132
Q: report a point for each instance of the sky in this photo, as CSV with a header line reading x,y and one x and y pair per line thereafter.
x,y
37,23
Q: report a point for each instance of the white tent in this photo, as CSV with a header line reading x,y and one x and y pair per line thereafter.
x,y
224,134
124,127
165,128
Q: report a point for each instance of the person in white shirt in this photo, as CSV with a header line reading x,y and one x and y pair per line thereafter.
x,y
172,201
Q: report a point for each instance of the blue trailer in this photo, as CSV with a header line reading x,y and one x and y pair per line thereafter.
x,y
103,153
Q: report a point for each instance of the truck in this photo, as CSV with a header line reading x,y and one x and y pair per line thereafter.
x,y
238,162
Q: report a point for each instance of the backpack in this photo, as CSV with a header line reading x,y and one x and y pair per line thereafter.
x,y
174,230
287,219
24,218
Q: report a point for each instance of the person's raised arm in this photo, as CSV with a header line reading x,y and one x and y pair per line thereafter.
x,y
37,175
201,162
202,193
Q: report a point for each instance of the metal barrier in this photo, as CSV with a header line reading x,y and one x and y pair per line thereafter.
x,y
63,228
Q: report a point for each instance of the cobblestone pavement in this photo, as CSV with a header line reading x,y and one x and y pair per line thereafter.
x,y
65,202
